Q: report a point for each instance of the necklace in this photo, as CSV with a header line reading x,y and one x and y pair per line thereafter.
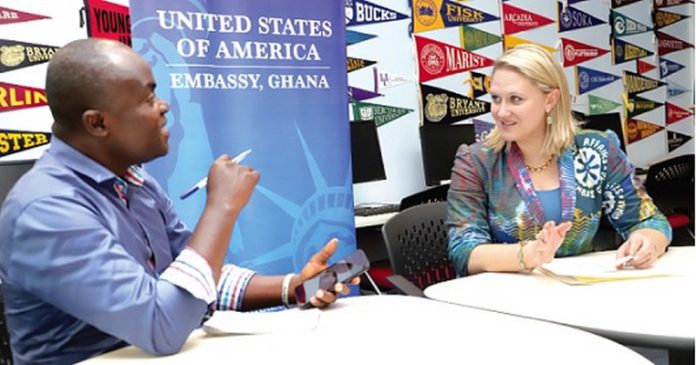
x,y
541,167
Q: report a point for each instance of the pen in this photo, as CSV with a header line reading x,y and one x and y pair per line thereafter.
x,y
623,261
204,181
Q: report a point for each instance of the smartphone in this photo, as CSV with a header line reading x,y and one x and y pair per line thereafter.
x,y
342,271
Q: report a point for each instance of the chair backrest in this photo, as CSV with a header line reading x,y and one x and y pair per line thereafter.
x,y
434,194
668,174
417,244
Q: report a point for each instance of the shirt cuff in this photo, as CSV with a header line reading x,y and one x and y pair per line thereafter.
x,y
191,272
231,287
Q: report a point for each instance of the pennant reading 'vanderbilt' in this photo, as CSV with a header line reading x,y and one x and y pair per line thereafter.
x,y
13,97
360,12
15,54
437,14
18,141
447,107
635,83
437,59
8,16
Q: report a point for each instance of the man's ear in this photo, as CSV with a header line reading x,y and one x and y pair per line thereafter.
x,y
93,120
552,99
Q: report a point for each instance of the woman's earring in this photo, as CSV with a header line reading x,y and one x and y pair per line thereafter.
x,y
549,120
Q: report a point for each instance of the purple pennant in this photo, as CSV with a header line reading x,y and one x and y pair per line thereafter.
x,y
355,93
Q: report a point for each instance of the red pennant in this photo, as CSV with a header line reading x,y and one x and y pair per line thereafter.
x,y
8,16
517,20
575,52
108,20
644,67
437,59
668,44
13,97
675,113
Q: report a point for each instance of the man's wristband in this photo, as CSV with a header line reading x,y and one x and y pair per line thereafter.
x,y
520,258
285,288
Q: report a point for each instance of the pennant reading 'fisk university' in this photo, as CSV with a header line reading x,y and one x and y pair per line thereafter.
x,y
447,107
108,20
635,83
8,16
622,25
13,97
518,20
588,79
360,12
473,39
575,52
676,140
438,59
571,18
438,14
622,51
15,54
18,141
380,114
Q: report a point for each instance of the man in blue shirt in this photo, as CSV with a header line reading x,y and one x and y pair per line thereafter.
x,y
92,254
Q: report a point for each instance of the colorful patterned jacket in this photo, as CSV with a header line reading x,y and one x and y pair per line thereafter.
x,y
492,199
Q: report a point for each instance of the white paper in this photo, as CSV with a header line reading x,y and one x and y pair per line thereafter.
x,y
291,320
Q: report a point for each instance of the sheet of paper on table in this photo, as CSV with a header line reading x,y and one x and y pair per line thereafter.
x,y
585,270
231,322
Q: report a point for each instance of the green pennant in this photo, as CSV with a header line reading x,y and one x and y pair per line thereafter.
x,y
381,114
472,39
600,105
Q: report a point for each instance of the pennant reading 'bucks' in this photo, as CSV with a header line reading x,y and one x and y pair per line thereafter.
x,y
356,93
480,84
109,21
447,107
635,83
380,114
676,140
600,105
473,39
358,63
636,105
18,141
657,4
437,14
511,41
644,67
675,113
437,59
575,52
668,67
588,79
384,79
663,18
620,3
622,25
353,37
518,20
15,54
667,44
571,18
13,97
622,51
638,129
8,16
360,12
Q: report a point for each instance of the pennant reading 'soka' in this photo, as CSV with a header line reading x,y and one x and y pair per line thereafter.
x,y
473,39
575,52
668,67
359,12
381,114
108,20
358,63
600,105
447,107
635,83
619,3
663,18
658,4
13,97
571,18
8,16
636,105
588,79
480,84
518,20
622,51
644,67
384,80
15,54
353,37
511,41
437,59
667,44
437,14
638,129
622,25
675,113
18,141
676,140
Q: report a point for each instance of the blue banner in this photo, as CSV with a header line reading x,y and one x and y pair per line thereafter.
x,y
588,79
268,76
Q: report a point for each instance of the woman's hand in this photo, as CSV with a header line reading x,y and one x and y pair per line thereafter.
x,y
548,240
641,248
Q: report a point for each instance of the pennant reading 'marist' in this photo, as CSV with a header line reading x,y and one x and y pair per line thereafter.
x,y
676,140
8,16
15,54
358,63
622,25
356,93
447,107
675,113
639,129
622,51
481,129
636,105
667,44
575,52
438,59
599,105
384,80
635,83
353,37
18,141
571,18
663,18
518,20
511,41
360,12
381,114
658,4
13,97
644,66
480,84
473,39
668,67
437,14
108,20
588,79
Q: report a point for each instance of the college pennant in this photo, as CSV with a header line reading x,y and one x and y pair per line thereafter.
x,y
668,67
644,66
575,52
622,25
437,14
384,79
356,93
13,97
517,20
571,18
360,12
636,105
622,51
599,105
480,84
108,20
663,18
638,129
8,16
676,140
473,39
447,107
619,3
675,113
353,37
511,41
381,114
15,54
438,59
358,63
658,4
587,79
674,89
18,141
667,44
481,129
635,83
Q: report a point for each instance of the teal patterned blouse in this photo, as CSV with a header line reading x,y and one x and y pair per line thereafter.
x,y
492,199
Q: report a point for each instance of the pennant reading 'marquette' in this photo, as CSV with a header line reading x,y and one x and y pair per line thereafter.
x,y
622,51
588,79
518,20
15,54
675,113
635,83
571,18
358,63
667,44
447,107
575,52
437,59
676,140
8,16
13,97
17,141
639,129
622,25
360,12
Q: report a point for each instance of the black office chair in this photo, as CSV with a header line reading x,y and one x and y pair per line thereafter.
x,y
417,246
434,194
5,350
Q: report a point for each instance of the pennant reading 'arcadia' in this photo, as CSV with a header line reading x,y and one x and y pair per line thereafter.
x,y
599,105
644,66
437,14
360,12
622,51
381,114
635,83
511,41
13,97
668,67
384,80
108,20
658,4
480,84
353,37
447,107
667,44
8,16
638,129
15,54
18,141
622,25
587,79
675,113
571,18
518,20
358,63
663,18
636,105
473,39
575,52
676,140
437,59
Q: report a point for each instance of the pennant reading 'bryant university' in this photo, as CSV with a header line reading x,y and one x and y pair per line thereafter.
x,y
437,59
18,141
8,16
447,107
13,97
437,14
108,20
571,18
360,12
622,51
575,52
635,83
518,20
587,79
15,54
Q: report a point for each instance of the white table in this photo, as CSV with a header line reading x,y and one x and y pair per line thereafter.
x,y
655,312
399,330
372,220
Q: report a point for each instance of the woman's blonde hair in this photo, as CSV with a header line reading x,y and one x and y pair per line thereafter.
x,y
543,70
